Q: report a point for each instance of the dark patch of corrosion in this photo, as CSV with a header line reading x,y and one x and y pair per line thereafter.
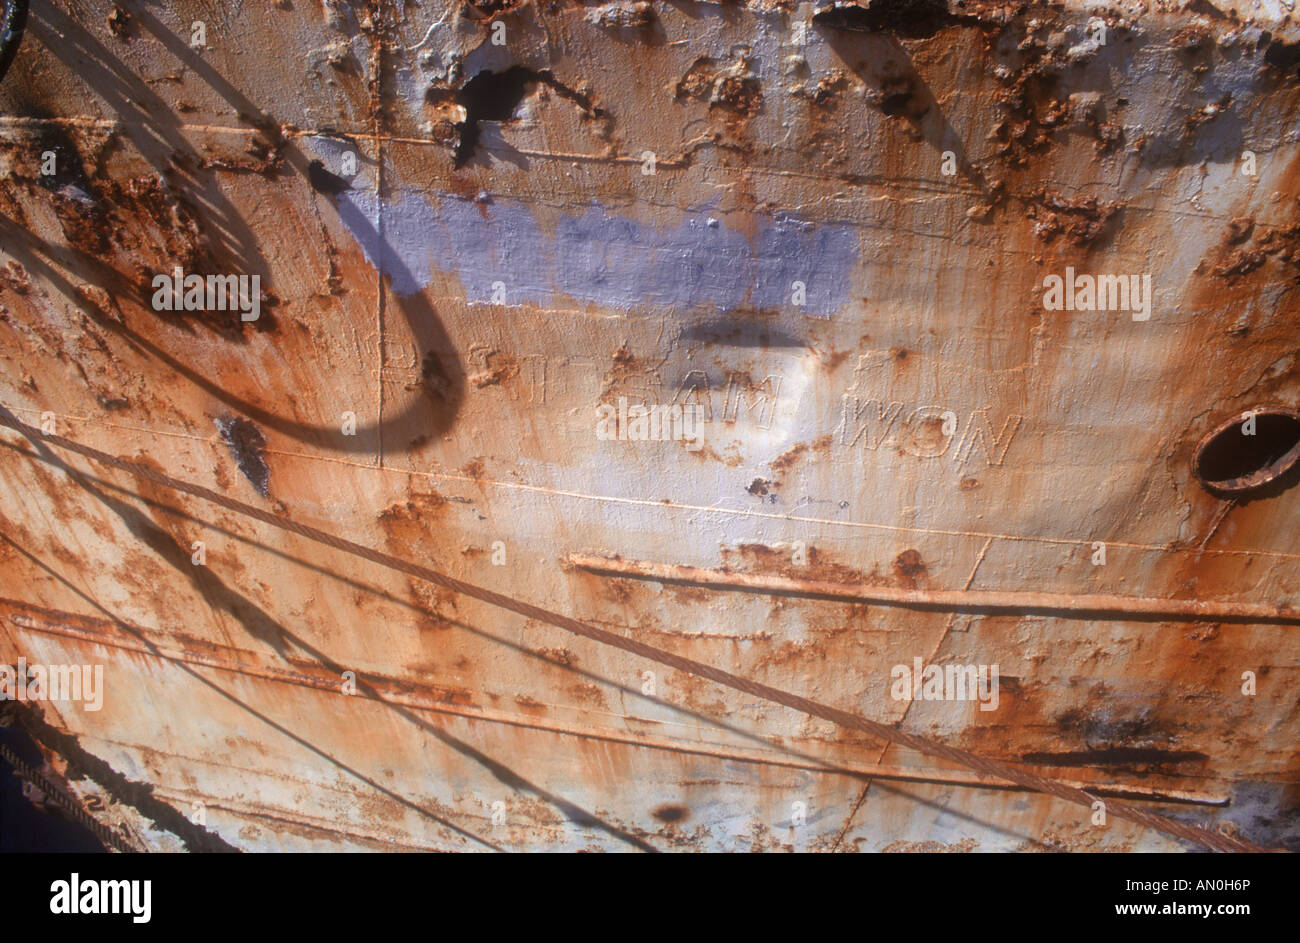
x,y
1115,756
247,445
323,181
494,96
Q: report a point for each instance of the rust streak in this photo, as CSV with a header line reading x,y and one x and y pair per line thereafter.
x,y
1020,602
427,697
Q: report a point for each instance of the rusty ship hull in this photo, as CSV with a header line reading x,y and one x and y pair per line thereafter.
x,y
826,230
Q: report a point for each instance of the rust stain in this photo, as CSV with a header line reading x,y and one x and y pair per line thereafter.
x,y
215,163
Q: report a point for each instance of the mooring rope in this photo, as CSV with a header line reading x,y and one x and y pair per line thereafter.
x,y
1200,836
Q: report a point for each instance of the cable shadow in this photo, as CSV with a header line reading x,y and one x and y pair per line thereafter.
x,y
817,763
634,692
443,377
149,123
159,138
262,626
960,816
129,630
881,61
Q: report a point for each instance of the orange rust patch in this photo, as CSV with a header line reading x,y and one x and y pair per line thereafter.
x,y
500,367
409,522
787,459
761,559
560,656
530,705
910,569
689,594
835,359
587,693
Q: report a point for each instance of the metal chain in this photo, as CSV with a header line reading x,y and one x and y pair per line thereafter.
x,y
64,801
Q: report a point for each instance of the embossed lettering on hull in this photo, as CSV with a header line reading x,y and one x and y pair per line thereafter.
x,y
824,254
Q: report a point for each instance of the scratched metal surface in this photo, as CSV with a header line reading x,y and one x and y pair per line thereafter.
x,y
784,150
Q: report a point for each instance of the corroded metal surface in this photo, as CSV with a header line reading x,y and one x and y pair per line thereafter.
x,y
465,248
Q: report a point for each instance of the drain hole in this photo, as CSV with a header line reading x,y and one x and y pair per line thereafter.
x,y
1249,450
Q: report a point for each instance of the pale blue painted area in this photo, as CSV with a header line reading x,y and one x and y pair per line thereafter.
x,y
598,257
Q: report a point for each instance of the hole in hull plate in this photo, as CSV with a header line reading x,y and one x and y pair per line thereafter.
x,y
1248,451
